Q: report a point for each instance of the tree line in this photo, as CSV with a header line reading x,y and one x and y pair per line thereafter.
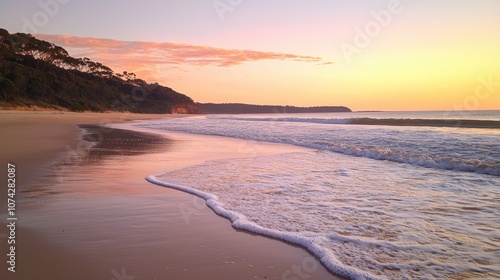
x,y
34,72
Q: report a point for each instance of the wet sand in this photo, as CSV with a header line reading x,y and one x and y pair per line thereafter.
x,y
86,212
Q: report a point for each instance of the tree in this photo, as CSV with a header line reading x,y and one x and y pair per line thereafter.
x,y
7,88
36,72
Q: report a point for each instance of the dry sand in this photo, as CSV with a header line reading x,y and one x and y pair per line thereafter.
x,y
87,212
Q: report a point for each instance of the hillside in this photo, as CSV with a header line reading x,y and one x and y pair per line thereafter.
x,y
37,73
236,108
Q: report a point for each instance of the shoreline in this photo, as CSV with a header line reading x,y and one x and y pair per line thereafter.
x,y
262,149
206,236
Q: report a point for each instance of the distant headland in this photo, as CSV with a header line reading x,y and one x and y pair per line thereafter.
x,y
238,108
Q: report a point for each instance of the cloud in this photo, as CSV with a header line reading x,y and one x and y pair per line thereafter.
x,y
326,63
109,51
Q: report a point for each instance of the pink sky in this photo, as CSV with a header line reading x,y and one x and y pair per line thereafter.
x,y
370,55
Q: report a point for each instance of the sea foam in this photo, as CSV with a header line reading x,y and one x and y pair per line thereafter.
x,y
362,219
240,221
468,150
397,202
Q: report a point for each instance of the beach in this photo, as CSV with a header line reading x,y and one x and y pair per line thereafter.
x,y
249,140
85,210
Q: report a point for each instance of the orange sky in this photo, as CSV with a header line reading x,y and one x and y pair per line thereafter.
x,y
374,55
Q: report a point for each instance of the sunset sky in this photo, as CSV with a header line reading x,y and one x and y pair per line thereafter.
x,y
367,55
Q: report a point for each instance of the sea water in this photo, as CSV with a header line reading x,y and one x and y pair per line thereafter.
x,y
371,201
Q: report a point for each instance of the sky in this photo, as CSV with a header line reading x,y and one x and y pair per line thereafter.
x,y
368,55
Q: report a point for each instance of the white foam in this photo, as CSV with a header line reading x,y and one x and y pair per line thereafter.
x,y
430,147
241,222
356,216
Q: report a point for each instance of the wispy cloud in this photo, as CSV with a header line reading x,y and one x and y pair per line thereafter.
x,y
146,53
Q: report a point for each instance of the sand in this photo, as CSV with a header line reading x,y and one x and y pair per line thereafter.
x,y
85,211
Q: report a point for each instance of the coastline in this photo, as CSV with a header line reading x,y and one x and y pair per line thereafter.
x,y
101,213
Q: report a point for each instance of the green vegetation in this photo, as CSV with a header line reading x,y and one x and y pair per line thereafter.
x,y
37,73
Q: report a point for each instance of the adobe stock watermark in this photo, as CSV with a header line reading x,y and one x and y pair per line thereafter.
x,y
222,7
121,276
364,36
300,272
48,9
482,92
187,211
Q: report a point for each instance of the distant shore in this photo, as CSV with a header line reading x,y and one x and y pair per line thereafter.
x,y
239,108
88,213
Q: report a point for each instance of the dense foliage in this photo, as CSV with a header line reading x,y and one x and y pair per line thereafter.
x,y
37,73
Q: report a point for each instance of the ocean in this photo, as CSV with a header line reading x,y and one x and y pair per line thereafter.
x,y
379,195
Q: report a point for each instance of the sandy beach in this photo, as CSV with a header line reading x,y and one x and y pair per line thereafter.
x,y
85,210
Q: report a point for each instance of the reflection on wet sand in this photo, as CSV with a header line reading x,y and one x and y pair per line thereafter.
x,y
110,142
98,144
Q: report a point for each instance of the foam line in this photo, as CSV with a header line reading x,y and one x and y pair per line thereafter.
x,y
241,222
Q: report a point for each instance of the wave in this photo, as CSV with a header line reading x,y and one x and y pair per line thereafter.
x,y
240,221
353,215
477,153
458,123
428,122
440,160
